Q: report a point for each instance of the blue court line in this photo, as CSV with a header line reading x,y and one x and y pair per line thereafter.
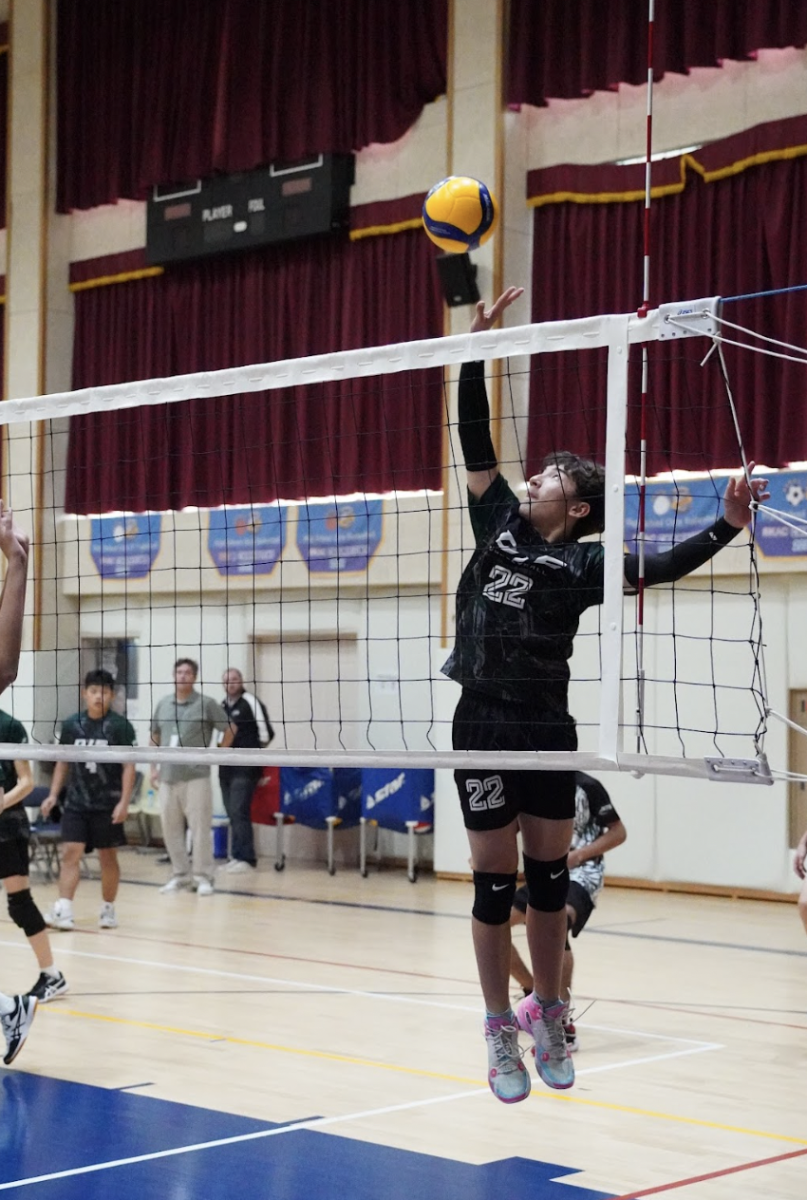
x,y
425,912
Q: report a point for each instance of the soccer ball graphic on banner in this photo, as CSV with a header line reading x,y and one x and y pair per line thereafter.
x,y
460,214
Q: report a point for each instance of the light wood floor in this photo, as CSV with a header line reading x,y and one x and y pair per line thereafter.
x,y
292,995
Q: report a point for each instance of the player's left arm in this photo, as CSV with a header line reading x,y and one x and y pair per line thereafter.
x,y
14,546
613,836
22,788
121,810
739,501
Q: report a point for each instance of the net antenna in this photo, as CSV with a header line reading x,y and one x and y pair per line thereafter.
x,y
644,308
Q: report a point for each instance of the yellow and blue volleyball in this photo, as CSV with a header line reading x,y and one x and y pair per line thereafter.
x,y
460,214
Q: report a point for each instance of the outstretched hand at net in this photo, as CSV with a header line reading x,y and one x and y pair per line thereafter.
x,y
486,318
742,496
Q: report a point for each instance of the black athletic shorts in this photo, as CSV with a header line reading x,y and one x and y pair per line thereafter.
x,y
492,799
578,898
93,829
14,857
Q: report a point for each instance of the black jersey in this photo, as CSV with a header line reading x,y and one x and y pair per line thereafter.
x,y
95,787
519,603
14,820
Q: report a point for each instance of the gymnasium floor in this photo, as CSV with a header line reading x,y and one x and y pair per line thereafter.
x,y
300,1035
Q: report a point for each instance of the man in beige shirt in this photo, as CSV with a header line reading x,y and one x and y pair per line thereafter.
x,y
187,718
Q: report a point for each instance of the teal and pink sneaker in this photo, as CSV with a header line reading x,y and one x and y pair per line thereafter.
x,y
553,1061
507,1075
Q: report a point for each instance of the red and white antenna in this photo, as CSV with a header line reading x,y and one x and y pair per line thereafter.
x,y
642,312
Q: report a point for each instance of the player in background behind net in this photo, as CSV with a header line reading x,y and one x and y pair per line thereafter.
x,y
16,1012
597,829
519,602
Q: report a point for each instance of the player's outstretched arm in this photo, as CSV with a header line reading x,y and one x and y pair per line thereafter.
x,y
801,855
474,412
739,501
14,546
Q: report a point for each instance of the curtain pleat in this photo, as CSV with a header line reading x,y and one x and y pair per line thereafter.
x,y
562,50
329,439
180,90
745,233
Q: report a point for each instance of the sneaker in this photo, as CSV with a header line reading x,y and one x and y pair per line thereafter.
x,y
237,866
49,987
60,917
106,917
177,883
17,1024
553,1061
204,887
507,1076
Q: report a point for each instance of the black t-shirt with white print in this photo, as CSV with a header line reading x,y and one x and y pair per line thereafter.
x,y
519,603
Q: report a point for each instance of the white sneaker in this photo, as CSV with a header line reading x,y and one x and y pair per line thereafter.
x,y
204,887
107,918
177,883
237,866
60,916
17,1024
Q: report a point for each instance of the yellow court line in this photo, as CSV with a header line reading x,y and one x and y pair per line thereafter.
x,y
383,1066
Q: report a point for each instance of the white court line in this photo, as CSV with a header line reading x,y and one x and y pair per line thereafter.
x,y
320,987
315,1123
701,1048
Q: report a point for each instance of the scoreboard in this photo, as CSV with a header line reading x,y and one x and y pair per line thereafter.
x,y
277,203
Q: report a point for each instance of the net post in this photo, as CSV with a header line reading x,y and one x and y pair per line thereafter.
x,y
616,424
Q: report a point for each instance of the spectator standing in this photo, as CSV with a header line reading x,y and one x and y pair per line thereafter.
x,y
187,718
248,716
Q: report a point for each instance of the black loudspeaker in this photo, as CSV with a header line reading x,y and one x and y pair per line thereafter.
x,y
458,279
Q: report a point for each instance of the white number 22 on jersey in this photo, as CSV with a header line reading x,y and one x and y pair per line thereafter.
x,y
507,587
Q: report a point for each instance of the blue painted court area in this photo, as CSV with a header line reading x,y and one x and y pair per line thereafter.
x,y
54,1137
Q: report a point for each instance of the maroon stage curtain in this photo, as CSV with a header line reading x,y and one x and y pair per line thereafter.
x,y
307,298
745,233
562,50
158,93
3,127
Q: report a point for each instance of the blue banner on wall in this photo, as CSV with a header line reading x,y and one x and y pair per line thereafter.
x,y
674,510
788,491
125,547
247,541
342,536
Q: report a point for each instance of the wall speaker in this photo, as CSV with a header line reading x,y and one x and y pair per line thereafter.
x,y
458,279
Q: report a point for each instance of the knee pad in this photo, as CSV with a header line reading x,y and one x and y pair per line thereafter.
x,y
547,883
24,913
493,897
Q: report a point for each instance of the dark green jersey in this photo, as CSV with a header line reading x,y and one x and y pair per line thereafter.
x,y
519,603
95,786
14,821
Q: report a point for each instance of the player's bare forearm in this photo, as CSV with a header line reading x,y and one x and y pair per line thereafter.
x,y
57,782
23,787
127,784
613,836
14,546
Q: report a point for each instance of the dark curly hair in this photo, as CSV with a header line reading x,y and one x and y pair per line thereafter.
x,y
589,480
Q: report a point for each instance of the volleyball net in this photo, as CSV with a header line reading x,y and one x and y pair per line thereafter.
x,y
305,522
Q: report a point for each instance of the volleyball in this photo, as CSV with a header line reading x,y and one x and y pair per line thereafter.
x,y
459,214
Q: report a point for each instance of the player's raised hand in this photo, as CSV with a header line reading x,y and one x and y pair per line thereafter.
x,y
739,498
485,318
13,539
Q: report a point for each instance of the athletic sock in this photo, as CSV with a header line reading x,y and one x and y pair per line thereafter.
x,y
52,971
7,1005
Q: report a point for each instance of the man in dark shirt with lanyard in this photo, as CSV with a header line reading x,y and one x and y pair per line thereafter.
x,y
97,800
519,602
250,720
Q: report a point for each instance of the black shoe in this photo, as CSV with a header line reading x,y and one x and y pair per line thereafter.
x,y
16,1025
163,858
49,987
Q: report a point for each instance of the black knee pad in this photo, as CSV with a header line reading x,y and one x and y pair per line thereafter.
x,y
547,883
24,913
493,897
